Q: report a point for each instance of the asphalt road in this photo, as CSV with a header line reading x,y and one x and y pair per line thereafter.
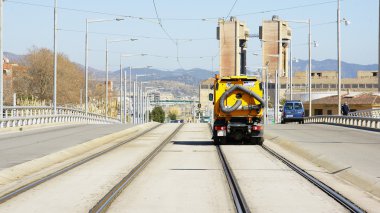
x,y
354,148
19,147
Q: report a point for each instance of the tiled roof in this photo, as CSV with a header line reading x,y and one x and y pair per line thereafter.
x,y
363,98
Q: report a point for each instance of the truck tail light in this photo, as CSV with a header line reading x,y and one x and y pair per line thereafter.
x,y
220,128
257,128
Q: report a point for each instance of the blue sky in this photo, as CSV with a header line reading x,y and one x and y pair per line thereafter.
x,y
26,26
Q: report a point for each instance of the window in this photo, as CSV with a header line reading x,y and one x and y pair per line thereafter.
x,y
318,111
329,112
347,85
354,86
297,106
288,106
361,85
333,86
374,74
368,86
325,86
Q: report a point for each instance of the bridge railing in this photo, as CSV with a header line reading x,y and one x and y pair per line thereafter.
x,y
30,115
371,113
362,122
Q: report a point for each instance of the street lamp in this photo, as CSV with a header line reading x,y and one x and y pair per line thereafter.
x,y
1,60
140,107
130,90
107,42
276,91
346,22
88,21
130,72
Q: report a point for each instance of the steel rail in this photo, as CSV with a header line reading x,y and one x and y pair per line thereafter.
x,y
35,183
104,203
352,207
237,195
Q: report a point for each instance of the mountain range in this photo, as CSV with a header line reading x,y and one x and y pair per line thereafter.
x,y
195,75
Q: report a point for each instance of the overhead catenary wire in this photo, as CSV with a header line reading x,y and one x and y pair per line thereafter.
x,y
167,34
229,13
170,18
136,36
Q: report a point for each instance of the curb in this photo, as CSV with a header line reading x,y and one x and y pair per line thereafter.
x,y
16,176
339,169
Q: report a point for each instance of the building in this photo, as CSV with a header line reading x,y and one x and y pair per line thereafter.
x,y
275,35
11,72
366,81
233,36
356,102
205,88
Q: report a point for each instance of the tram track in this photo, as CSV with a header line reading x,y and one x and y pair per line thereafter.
x,y
52,175
104,203
238,196
345,202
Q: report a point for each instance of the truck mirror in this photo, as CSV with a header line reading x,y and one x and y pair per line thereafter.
x,y
210,97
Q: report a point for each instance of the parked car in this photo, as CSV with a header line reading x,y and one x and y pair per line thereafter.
x,y
293,111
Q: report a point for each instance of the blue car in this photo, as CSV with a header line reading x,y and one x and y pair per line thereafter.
x,y
293,111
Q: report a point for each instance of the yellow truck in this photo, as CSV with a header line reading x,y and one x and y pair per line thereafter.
x,y
238,110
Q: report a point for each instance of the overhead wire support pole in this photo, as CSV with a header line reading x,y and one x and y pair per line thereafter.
x,y
55,60
339,59
291,71
310,113
125,96
130,94
86,70
121,91
106,104
1,61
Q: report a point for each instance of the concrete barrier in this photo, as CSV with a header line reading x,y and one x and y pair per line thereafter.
x,y
19,175
339,169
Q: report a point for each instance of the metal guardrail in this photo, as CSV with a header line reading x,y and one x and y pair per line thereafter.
x,y
370,113
31,115
354,121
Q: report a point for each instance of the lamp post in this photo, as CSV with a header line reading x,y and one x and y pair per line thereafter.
x,y
139,101
310,113
1,61
130,81
55,60
107,42
276,92
339,56
88,21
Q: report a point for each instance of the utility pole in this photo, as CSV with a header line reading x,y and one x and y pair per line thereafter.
x,y
266,95
291,71
310,113
130,93
55,60
1,61
339,59
277,95
86,70
125,96
121,90
106,107
134,102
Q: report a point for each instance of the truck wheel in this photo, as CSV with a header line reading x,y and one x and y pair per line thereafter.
x,y
216,141
257,141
